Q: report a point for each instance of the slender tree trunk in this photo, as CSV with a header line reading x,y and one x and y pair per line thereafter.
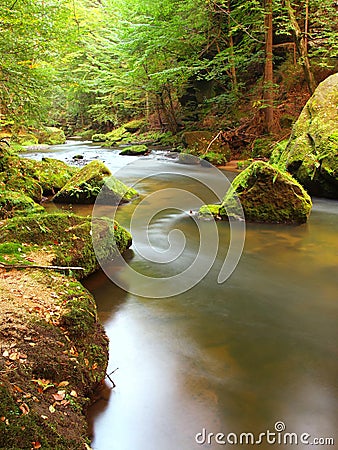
x,y
232,53
268,73
301,45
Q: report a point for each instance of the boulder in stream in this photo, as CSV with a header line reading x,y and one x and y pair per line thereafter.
x,y
266,194
94,179
311,154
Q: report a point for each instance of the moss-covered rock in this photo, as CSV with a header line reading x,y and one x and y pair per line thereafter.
x,y
311,154
68,237
214,158
20,182
116,136
52,174
34,178
209,211
86,184
135,150
99,137
267,195
25,139
135,125
50,136
14,203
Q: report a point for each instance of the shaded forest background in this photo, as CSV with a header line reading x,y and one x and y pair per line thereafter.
x,y
187,64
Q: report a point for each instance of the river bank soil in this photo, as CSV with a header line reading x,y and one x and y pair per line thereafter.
x,y
51,359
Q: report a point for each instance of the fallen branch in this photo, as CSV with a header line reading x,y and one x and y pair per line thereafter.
x,y
36,266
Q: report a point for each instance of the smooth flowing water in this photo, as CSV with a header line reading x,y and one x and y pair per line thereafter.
x,y
228,358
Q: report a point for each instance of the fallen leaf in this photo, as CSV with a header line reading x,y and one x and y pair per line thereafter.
x,y
44,417
36,445
14,356
63,384
51,409
17,388
73,393
24,408
3,418
5,354
58,397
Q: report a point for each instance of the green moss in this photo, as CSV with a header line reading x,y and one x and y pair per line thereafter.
x,y
114,137
262,147
135,125
17,181
135,150
99,137
18,430
86,184
267,195
312,151
208,211
215,158
50,136
25,139
51,174
69,237
13,203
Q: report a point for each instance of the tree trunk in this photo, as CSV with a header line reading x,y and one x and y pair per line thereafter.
x,y
268,72
301,45
232,53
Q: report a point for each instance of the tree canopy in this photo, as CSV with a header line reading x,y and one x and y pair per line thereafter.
x,y
100,63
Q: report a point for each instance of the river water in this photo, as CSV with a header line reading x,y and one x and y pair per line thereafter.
x,y
228,358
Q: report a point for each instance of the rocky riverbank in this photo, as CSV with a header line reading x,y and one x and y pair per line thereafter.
x,y
53,350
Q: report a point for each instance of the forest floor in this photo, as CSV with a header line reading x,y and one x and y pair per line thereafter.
x,y
44,386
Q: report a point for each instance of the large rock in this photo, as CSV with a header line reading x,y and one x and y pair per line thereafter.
x,y
68,237
311,154
85,186
14,203
52,174
51,136
31,177
267,195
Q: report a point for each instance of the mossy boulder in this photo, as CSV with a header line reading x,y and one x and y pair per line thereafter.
x,y
209,211
14,203
135,150
34,178
25,138
267,195
68,237
135,125
99,137
20,182
116,136
311,154
52,174
87,183
50,136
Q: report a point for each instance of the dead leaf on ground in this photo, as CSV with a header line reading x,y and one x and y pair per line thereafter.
x,y
24,408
